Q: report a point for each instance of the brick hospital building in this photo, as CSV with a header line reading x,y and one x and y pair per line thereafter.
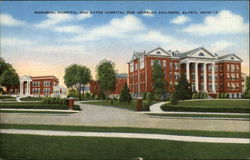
x,y
206,72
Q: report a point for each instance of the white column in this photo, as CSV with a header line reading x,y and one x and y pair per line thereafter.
x,y
213,79
205,76
196,78
29,88
21,88
187,71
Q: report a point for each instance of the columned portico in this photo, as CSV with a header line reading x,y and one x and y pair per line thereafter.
x,y
25,89
196,80
196,77
187,71
205,76
213,79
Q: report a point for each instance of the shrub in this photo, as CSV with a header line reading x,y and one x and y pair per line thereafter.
x,y
93,96
76,107
97,97
194,95
111,101
145,106
218,95
150,97
247,94
226,95
198,95
144,95
173,99
87,95
205,95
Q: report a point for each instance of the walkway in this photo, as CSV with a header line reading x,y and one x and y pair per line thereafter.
x,y
129,135
96,115
156,108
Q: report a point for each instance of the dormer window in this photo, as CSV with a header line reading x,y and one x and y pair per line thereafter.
x,y
201,54
158,52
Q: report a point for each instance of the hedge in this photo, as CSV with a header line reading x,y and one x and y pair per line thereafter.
x,y
36,106
169,107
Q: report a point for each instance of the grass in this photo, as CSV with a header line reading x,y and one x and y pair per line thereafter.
x,y
217,103
24,147
237,106
6,97
35,105
131,106
31,99
200,115
3,100
126,130
38,112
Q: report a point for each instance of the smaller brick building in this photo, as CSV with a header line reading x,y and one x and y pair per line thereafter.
x,y
42,86
121,79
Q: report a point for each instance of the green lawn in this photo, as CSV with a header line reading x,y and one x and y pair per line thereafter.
x,y
27,147
131,106
217,103
126,130
238,106
34,105
38,112
199,115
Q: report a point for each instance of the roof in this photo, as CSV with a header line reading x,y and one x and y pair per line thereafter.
x,y
227,55
45,77
184,54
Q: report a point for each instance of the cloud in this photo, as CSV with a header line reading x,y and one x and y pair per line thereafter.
x,y
69,29
180,20
221,45
14,42
148,13
8,20
224,23
117,27
165,40
54,19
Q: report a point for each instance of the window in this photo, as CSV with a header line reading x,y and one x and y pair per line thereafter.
x,y
209,67
176,75
232,58
201,54
158,52
131,68
176,66
135,66
36,83
164,63
210,77
228,76
46,90
152,62
228,67
142,63
46,83
171,65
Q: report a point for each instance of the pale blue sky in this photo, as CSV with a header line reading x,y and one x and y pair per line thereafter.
x,y
44,44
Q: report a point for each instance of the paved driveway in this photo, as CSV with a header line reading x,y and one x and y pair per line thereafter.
x,y
93,115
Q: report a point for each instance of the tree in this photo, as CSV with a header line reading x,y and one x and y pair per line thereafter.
x,y
9,78
106,76
159,83
183,89
125,96
8,75
4,66
77,76
247,87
